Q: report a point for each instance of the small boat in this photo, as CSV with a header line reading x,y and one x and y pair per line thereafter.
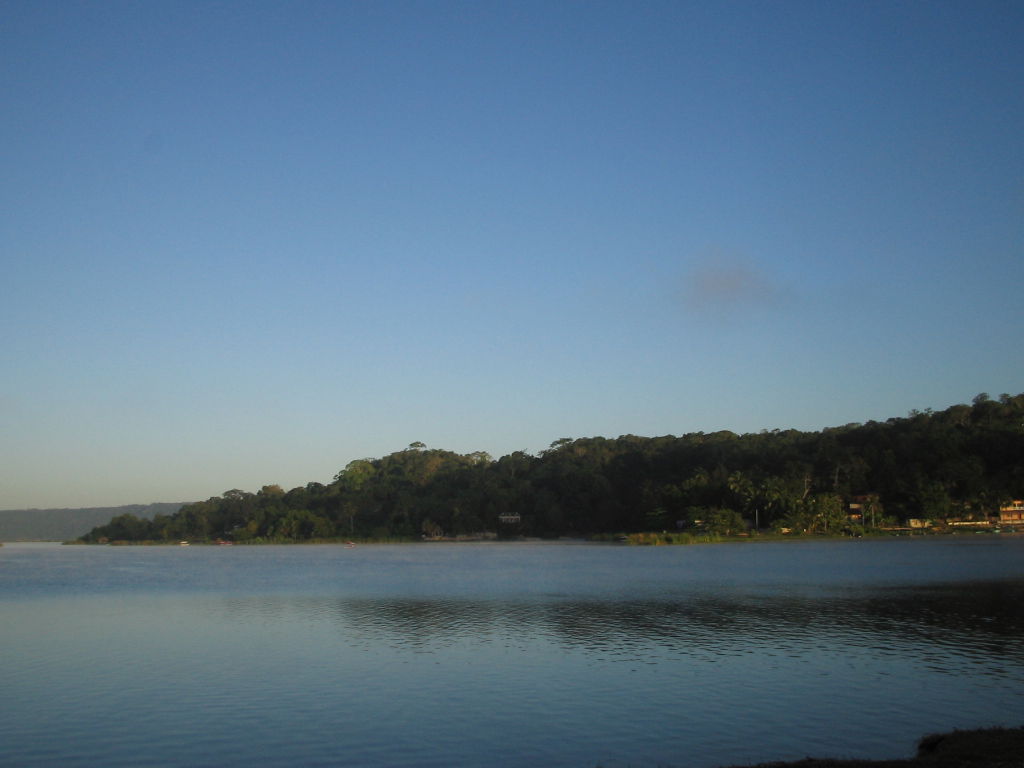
x,y
182,543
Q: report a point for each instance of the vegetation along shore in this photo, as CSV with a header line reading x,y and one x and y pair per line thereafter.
x,y
945,471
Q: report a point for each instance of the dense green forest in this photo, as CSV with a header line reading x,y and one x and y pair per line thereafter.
x,y
960,463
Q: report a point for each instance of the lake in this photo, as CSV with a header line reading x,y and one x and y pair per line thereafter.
x,y
505,654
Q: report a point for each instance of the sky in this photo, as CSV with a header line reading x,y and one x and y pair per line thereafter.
x,y
245,243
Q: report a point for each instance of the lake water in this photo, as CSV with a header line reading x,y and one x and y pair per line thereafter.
x,y
513,655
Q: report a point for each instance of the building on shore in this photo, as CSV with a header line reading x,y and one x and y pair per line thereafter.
x,y
1012,513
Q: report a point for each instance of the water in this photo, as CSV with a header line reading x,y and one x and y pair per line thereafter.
x,y
504,654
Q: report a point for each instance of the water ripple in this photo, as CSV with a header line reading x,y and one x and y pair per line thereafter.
x,y
423,656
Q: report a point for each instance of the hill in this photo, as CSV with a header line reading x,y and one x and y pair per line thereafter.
x,y
958,466
64,524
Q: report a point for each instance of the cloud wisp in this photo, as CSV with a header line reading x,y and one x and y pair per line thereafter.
x,y
720,289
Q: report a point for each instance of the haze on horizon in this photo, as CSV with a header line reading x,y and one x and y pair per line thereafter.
x,y
247,243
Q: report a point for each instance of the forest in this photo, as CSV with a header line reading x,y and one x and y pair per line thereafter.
x,y
961,463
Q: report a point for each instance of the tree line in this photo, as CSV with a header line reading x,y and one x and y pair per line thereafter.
x,y
960,463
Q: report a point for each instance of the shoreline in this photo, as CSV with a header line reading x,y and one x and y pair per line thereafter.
x,y
646,539
995,747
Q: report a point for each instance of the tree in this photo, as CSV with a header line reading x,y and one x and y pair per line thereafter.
x,y
303,524
725,521
934,500
872,512
126,527
828,513
742,490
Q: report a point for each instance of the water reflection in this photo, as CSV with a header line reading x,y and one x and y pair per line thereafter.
x,y
941,626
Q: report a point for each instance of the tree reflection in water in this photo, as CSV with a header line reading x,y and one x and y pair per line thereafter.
x,y
975,621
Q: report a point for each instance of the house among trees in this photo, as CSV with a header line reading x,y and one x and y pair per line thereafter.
x,y
864,509
855,511
1012,513
509,518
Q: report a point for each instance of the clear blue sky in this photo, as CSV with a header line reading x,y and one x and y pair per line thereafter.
x,y
247,242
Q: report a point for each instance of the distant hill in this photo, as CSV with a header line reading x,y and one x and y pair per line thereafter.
x,y
65,524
